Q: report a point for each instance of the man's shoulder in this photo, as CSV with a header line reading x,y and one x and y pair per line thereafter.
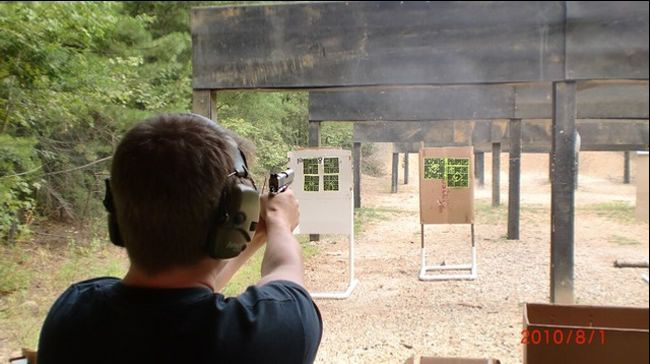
x,y
276,291
88,287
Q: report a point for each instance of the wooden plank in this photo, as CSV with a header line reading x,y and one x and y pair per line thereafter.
x,y
419,103
596,135
563,193
612,100
409,147
595,100
313,45
310,45
607,40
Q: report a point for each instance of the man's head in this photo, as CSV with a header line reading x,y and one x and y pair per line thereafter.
x,y
167,180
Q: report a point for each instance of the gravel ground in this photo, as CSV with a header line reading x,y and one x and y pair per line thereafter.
x,y
392,315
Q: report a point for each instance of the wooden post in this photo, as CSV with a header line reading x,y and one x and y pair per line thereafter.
x,y
479,168
406,168
356,166
394,174
514,178
577,151
626,167
563,192
314,141
496,177
202,103
314,133
550,166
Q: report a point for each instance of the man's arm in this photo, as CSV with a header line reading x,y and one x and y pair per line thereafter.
x,y
233,265
283,256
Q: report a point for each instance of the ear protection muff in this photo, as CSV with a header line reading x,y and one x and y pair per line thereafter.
x,y
113,229
237,215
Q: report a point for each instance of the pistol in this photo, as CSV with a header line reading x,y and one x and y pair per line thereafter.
x,y
278,182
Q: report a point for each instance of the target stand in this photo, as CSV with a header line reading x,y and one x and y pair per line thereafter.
x,y
352,281
446,197
323,186
424,268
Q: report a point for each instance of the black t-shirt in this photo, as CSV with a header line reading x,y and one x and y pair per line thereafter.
x,y
104,321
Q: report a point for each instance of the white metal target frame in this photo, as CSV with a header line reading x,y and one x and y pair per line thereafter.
x,y
323,186
424,268
352,281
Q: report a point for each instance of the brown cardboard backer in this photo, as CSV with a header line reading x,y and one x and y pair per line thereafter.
x,y
585,334
440,360
447,185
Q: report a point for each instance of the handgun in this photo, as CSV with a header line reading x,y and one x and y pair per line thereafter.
x,y
278,182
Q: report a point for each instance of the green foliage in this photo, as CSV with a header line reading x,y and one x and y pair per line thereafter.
x,y
74,76
274,122
16,191
12,278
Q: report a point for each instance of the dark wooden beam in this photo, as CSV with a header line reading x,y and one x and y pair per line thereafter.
x,y
514,178
563,193
479,168
313,45
356,164
201,103
496,174
597,135
595,100
314,141
406,168
607,38
394,173
309,45
314,137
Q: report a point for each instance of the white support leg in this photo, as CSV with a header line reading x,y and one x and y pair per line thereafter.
x,y
424,268
352,282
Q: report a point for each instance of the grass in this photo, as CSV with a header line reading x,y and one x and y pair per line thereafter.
x,y
620,211
33,275
486,214
622,240
364,216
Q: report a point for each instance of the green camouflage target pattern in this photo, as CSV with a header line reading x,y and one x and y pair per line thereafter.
x,y
455,171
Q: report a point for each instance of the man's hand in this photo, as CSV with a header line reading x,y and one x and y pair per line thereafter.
x,y
283,256
280,211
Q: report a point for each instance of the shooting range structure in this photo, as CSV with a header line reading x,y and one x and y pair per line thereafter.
x,y
352,46
514,118
323,185
446,197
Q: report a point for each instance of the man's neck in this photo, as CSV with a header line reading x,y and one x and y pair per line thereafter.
x,y
200,275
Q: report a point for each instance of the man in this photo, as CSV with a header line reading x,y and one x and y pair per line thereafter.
x,y
182,203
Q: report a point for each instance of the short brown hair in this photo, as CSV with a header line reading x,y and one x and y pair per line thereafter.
x,y
167,176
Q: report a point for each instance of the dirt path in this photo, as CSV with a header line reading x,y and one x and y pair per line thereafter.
x,y
392,315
